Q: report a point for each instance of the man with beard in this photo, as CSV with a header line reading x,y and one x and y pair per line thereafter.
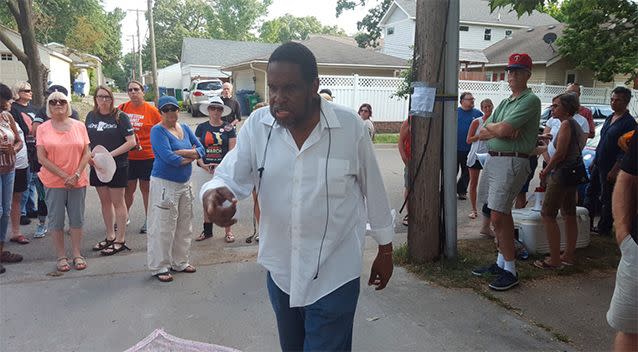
x,y
318,183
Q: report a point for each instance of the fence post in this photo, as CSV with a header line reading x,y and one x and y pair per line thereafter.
x,y
355,96
541,93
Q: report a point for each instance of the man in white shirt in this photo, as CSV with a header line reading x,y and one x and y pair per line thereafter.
x,y
318,183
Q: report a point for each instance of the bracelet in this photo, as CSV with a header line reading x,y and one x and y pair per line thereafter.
x,y
77,174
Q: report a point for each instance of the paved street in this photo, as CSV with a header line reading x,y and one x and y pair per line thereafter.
x,y
114,303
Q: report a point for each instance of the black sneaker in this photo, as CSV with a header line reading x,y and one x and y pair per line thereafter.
x,y
504,282
493,269
24,220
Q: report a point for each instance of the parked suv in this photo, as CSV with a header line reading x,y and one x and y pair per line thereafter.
x,y
199,92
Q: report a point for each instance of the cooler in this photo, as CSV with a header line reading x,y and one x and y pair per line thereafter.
x,y
531,230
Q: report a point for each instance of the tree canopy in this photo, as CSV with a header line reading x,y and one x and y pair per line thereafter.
x,y
369,30
289,27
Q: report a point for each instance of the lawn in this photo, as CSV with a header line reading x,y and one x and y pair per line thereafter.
x,y
386,138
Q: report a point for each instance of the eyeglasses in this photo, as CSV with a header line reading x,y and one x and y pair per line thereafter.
x,y
54,102
364,110
25,90
553,106
169,109
216,108
104,97
134,89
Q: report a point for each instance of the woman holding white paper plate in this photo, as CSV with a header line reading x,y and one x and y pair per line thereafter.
x,y
111,136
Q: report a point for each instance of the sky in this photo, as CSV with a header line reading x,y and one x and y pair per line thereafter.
x,y
324,10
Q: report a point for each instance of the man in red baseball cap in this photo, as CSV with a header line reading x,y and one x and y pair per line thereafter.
x,y
511,134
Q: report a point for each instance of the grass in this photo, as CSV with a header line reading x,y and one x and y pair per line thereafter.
x,y
386,138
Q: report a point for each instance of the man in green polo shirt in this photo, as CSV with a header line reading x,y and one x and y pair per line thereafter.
x,y
511,134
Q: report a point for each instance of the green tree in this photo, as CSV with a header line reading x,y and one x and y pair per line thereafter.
x,y
370,32
601,35
289,27
234,19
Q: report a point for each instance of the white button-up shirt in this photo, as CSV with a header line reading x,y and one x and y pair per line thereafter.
x,y
292,199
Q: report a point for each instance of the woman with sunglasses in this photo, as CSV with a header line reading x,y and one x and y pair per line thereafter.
x,y
111,128
10,144
171,200
143,117
218,138
365,112
63,151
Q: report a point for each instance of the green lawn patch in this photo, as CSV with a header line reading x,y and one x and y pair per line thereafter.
x,y
386,138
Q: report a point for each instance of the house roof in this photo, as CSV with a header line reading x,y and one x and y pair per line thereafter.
x,y
472,56
525,41
215,52
329,52
478,11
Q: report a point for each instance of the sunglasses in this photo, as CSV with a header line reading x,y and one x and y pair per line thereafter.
x,y
134,89
25,90
216,108
104,97
169,109
57,102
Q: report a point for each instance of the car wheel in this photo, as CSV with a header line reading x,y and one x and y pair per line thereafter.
x,y
194,111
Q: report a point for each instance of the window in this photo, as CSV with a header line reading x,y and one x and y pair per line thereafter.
x,y
6,57
508,33
390,30
464,28
488,34
570,77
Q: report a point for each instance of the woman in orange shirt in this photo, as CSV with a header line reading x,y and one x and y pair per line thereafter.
x,y
143,117
63,150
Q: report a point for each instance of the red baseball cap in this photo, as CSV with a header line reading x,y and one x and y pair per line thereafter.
x,y
519,61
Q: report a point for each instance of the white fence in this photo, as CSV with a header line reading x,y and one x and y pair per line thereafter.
x,y
355,90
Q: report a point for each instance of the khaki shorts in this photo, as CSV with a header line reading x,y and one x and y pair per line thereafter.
x,y
558,196
502,180
623,309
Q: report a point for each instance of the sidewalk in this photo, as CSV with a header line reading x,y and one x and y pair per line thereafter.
x,y
115,303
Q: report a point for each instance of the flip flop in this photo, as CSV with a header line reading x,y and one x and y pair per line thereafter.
x,y
79,263
473,214
164,277
189,270
62,264
541,264
229,238
19,239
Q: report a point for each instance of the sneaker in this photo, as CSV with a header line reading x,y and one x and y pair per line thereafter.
x,y
504,282
143,229
40,231
493,269
24,220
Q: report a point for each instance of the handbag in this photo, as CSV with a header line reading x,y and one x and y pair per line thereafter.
x,y
8,157
573,173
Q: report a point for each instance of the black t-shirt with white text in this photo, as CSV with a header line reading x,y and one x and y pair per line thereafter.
x,y
105,130
215,140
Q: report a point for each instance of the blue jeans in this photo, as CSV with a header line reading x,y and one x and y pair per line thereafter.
x,y
28,200
6,188
325,325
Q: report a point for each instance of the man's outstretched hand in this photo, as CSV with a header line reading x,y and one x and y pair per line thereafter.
x,y
381,267
218,213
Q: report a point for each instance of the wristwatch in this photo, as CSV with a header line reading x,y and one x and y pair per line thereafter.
x,y
77,174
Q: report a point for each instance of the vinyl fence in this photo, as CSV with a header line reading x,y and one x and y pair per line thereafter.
x,y
379,92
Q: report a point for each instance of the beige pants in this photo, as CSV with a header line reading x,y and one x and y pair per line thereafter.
x,y
169,225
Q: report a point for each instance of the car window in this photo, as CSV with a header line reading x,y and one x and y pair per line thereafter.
x,y
209,86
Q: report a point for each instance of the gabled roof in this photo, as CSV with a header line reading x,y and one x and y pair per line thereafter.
x,y
478,11
215,52
329,52
526,41
472,56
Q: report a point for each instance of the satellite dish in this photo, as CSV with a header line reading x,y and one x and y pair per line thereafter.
x,y
549,38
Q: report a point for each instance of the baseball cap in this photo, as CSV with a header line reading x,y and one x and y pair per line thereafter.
x,y
57,88
166,100
519,61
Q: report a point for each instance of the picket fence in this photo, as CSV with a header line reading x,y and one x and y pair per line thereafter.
x,y
352,91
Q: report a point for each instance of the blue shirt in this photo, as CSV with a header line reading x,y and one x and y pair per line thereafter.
x,y
167,164
608,151
465,120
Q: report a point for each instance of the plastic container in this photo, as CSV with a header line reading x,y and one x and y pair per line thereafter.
x,y
242,98
532,233
253,99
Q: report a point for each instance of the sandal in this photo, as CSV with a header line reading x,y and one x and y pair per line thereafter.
x,y
543,264
63,264
189,269
473,214
405,220
111,249
102,244
203,236
19,239
164,277
8,257
229,238
79,263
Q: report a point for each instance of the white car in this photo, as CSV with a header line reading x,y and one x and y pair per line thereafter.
x,y
199,93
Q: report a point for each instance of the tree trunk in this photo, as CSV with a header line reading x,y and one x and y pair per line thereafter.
x,y
37,73
425,227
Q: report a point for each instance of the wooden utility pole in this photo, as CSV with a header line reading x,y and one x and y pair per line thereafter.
x,y
151,36
425,206
133,57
